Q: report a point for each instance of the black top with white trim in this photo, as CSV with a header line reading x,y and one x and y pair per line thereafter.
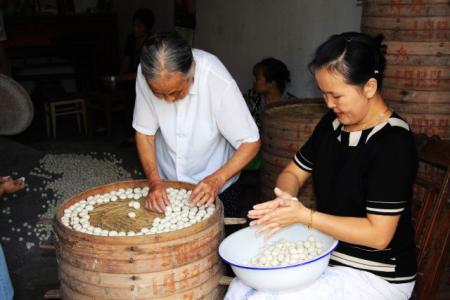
x,y
366,172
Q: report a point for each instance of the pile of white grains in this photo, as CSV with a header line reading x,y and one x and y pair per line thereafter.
x,y
286,253
178,215
64,175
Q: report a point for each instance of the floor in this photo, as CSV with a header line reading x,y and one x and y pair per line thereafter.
x,y
24,236
32,268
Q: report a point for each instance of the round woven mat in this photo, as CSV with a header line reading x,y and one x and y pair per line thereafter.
x,y
114,216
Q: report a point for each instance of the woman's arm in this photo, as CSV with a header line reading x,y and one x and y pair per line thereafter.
x,y
375,231
207,189
157,198
292,178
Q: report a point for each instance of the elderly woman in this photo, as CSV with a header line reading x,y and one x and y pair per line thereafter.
x,y
192,123
363,162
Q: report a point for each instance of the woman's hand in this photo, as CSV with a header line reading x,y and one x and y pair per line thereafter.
x,y
278,213
206,190
9,185
260,210
157,198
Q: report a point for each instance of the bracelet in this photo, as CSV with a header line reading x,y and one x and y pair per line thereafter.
x,y
311,214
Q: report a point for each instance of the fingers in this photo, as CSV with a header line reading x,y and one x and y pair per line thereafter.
x,y
255,214
210,200
165,198
268,228
202,198
203,194
157,201
205,198
283,195
159,205
197,194
268,217
19,183
272,232
4,178
150,203
267,205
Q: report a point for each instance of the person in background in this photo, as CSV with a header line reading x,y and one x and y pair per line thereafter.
x,y
271,79
143,21
363,162
7,186
269,86
191,122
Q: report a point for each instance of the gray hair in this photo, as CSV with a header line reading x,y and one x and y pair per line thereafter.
x,y
166,51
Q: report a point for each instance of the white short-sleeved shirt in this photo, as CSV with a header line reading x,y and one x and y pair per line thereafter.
x,y
196,135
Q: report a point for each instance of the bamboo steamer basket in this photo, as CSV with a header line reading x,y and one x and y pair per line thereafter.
x,y
182,264
417,77
286,126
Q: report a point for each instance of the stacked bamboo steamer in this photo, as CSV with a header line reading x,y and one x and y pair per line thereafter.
x,y
286,126
182,264
417,78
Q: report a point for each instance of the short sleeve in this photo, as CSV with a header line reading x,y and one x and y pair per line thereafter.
x,y
305,157
233,118
144,117
391,174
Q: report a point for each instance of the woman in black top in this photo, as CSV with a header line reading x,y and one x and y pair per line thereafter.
x,y
363,162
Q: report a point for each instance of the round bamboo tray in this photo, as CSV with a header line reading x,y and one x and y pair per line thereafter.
x,y
182,264
286,126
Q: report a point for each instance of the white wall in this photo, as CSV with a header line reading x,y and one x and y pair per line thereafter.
x,y
162,9
242,32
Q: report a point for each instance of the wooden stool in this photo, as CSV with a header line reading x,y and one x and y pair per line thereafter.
x,y
54,109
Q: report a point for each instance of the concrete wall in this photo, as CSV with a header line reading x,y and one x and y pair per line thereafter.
x,y
241,33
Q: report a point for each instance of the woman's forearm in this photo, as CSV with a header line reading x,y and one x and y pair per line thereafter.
x,y
375,232
146,149
243,155
291,179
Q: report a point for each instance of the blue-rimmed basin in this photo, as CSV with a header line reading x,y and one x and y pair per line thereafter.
x,y
245,244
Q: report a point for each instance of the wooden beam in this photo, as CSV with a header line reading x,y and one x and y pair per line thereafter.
x,y
234,221
225,280
53,294
47,247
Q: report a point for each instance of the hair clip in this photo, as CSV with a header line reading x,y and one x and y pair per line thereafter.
x,y
375,72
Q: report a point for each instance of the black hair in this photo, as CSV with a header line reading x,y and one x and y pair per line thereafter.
x,y
273,70
166,51
356,56
145,16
